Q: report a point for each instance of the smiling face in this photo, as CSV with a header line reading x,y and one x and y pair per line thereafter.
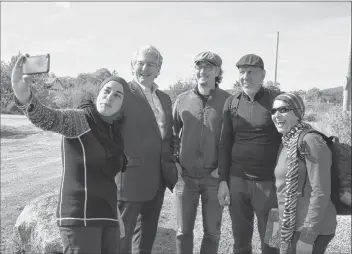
x,y
109,99
283,116
146,68
206,73
251,78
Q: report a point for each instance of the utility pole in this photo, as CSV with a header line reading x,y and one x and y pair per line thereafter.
x,y
277,55
347,87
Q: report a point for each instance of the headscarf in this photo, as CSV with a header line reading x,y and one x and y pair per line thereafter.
x,y
106,129
295,101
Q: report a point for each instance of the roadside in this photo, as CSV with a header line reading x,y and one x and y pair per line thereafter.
x,y
31,166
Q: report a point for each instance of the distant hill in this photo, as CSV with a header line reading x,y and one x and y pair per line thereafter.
x,y
334,90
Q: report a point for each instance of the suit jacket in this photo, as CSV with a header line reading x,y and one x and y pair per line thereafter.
x,y
149,154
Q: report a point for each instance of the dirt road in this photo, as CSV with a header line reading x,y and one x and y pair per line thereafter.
x,y
30,166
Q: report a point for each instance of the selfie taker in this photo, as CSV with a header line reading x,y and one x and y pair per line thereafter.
x,y
92,154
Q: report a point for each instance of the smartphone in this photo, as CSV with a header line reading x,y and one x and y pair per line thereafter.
x,y
36,64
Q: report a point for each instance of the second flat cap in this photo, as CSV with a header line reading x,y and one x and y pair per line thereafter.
x,y
250,60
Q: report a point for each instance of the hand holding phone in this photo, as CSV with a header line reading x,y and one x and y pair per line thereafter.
x,y
36,64
20,82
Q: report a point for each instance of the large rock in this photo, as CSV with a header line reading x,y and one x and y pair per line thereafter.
x,y
36,230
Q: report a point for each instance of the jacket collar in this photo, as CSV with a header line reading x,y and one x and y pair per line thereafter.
x,y
257,96
143,88
212,92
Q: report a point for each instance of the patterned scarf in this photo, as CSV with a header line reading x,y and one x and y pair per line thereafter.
x,y
290,142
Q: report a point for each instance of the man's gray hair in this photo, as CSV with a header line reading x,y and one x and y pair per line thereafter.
x,y
148,49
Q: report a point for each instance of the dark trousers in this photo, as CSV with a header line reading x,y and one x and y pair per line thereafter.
x,y
249,197
320,244
84,240
141,223
187,191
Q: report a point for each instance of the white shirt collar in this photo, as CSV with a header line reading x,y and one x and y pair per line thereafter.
x,y
145,89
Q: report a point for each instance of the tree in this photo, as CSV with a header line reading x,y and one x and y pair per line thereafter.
x,y
313,94
114,73
102,74
179,87
236,88
93,77
270,85
67,82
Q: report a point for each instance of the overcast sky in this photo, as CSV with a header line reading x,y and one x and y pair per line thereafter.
x,y
86,36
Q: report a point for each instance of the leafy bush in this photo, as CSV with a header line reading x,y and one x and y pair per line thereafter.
x,y
73,96
310,117
333,121
179,87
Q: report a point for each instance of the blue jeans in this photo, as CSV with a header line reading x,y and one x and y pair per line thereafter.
x,y
188,190
249,197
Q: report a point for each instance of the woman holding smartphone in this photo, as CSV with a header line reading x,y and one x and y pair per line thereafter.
x,y
92,154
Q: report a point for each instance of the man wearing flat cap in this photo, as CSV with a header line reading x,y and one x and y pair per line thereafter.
x,y
197,116
247,155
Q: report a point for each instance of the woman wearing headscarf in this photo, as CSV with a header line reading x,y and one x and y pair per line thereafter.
x,y
308,216
92,154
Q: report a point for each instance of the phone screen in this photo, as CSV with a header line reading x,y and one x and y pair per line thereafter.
x,y
36,64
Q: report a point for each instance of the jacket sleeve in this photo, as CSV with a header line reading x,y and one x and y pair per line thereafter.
x,y
177,126
69,122
226,141
318,164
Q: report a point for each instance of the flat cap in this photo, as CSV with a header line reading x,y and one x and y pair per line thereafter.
x,y
209,57
251,60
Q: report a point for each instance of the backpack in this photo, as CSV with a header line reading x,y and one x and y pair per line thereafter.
x,y
340,171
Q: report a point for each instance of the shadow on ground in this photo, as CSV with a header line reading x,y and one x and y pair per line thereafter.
x,y
5,134
164,241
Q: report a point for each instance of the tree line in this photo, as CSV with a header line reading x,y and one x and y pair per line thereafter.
x,y
84,86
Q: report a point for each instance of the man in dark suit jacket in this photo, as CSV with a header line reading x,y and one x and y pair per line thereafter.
x,y
147,134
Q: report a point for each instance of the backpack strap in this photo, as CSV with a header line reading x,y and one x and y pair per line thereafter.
x,y
271,99
235,101
301,151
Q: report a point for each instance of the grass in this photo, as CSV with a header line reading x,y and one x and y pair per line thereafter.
x,y
31,166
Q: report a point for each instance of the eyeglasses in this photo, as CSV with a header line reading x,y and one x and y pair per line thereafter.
x,y
281,110
148,64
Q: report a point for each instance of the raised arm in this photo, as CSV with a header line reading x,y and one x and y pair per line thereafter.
x,y
68,122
